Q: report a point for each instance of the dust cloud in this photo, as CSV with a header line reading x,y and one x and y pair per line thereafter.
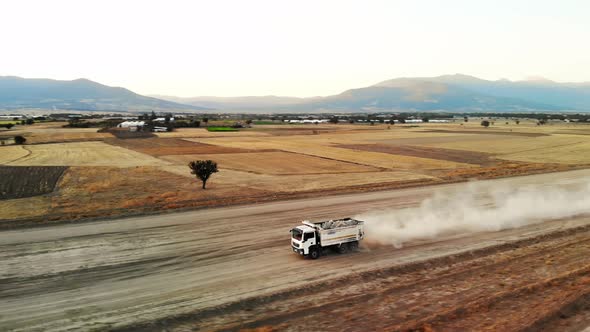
x,y
476,207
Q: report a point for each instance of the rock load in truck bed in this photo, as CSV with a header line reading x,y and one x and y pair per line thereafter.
x,y
337,223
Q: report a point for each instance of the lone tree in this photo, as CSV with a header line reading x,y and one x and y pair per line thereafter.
x,y
485,123
19,140
203,169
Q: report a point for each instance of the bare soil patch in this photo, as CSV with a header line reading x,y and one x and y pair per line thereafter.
x,y
467,157
19,182
171,146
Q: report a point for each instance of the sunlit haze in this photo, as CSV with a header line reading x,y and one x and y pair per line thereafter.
x,y
297,48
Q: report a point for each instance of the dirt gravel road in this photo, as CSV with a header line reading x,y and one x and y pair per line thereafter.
x,y
232,268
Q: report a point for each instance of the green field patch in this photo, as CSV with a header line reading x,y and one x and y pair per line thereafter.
x,y
221,129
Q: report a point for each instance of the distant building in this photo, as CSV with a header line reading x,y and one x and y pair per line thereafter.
x,y
132,125
12,117
163,120
308,121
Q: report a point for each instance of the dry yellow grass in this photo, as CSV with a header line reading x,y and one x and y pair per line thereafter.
x,y
575,153
25,207
298,183
36,137
11,152
274,163
376,159
513,144
201,132
84,154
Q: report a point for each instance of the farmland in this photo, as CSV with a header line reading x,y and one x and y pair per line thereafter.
x,y
28,181
115,175
79,154
271,176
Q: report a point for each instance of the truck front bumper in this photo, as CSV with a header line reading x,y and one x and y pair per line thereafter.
x,y
297,250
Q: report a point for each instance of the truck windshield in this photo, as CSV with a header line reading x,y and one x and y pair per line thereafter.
x,y
296,234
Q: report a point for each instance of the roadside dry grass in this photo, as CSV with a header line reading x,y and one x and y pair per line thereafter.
x,y
307,182
103,191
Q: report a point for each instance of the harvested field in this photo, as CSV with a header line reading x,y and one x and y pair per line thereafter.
x,y
502,169
307,182
437,138
202,132
290,131
487,132
512,145
11,153
275,163
39,138
23,181
80,154
270,162
467,157
575,153
375,159
171,146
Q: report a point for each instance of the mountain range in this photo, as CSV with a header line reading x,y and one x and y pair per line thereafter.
x,y
451,93
81,94
454,93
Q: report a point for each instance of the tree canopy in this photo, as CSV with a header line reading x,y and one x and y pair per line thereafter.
x,y
203,169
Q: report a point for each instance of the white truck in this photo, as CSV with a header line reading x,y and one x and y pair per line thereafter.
x,y
312,238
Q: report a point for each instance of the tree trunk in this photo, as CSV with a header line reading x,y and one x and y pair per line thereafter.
x,y
204,182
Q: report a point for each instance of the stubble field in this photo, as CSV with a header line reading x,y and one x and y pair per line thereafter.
x,y
115,176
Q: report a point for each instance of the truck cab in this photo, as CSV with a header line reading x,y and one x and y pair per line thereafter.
x,y
304,241
312,238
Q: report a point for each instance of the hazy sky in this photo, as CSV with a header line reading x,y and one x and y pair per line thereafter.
x,y
298,48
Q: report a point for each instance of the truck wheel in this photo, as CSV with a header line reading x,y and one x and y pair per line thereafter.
x,y
354,246
343,248
314,254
